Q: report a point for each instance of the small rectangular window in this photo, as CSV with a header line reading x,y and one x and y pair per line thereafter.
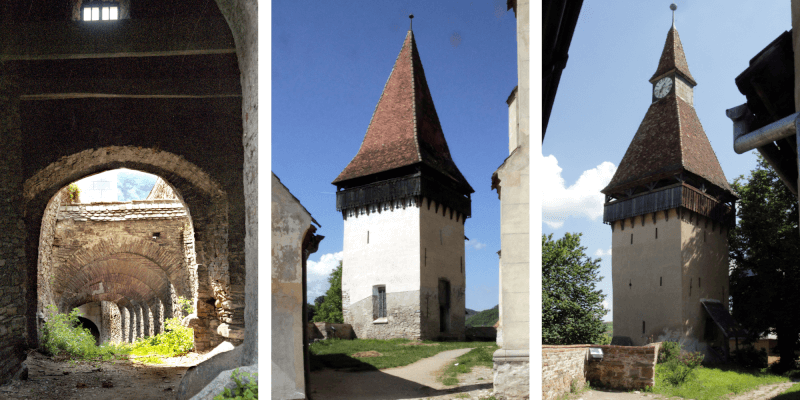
x,y
656,233
95,13
642,327
631,238
105,14
378,302
114,13
87,14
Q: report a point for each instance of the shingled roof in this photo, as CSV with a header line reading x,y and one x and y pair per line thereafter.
x,y
405,128
670,139
673,58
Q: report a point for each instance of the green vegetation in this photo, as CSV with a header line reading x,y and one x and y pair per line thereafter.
x,y
186,305
74,192
484,318
63,336
715,383
764,251
330,309
572,307
793,393
480,356
337,353
244,390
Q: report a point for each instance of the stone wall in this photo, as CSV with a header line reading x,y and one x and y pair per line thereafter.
x,y
622,367
625,367
402,321
324,330
563,367
45,270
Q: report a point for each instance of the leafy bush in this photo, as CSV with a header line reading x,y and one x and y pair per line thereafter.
x,y
62,334
186,305
749,357
669,351
677,366
244,390
176,340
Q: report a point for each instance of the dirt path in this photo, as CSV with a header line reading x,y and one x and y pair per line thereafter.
x,y
414,381
99,380
764,392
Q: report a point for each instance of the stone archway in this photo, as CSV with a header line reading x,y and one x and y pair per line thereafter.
x,y
230,145
218,287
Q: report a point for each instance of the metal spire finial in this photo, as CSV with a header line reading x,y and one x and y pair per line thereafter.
x,y
673,7
411,24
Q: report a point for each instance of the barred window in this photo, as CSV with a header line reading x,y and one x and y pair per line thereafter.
x,y
100,11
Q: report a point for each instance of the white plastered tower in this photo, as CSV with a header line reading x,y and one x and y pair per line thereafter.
x,y
404,205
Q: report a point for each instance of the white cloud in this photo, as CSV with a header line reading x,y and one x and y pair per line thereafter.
x,y
99,187
582,200
605,305
601,253
318,273
475,244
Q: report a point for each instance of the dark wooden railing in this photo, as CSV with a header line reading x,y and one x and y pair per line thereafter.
x,y
673,197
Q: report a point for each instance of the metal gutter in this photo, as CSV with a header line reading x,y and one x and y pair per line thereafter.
x,y
744,141
763,139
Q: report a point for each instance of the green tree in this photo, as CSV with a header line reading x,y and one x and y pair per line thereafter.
x,y
330,309
765,250
572,307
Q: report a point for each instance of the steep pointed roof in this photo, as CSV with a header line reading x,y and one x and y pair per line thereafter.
x,y
405,128
673,58
670,140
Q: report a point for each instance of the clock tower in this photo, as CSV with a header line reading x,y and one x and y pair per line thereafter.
x,y
669,206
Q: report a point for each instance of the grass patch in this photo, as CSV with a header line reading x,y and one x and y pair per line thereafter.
x,y
337,353
149,360
63,338
480,356
715,383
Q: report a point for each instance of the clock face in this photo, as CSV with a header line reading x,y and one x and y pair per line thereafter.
x,y
662,87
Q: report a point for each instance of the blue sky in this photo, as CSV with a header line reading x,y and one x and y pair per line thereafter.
x,y
604,94
329,66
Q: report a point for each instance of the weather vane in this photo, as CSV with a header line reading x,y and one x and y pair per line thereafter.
x,y
673,7
411,18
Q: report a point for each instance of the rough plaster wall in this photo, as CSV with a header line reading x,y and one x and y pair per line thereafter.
x,y
392,256
515,245
44,282
290,222
442,241
704,253
242,17
402,317
683,90
646,276
13,279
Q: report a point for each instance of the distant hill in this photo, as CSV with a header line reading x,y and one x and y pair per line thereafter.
x,y
470,313
484,318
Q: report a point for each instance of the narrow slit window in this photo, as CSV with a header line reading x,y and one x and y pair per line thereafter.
x,y
631,238
367,237
699,284
661,281
378,302
656,233
642,327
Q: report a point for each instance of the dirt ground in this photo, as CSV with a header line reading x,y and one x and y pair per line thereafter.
x,y
99,380
412,382
765,392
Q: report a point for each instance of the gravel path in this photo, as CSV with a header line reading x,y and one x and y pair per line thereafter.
x,y
414,381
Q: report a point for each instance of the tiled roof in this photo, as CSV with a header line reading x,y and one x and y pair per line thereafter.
x,y
405,128
669,140
673,58
127,211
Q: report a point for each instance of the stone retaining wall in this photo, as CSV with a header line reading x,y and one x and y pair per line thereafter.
x,y
563,366
622,367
